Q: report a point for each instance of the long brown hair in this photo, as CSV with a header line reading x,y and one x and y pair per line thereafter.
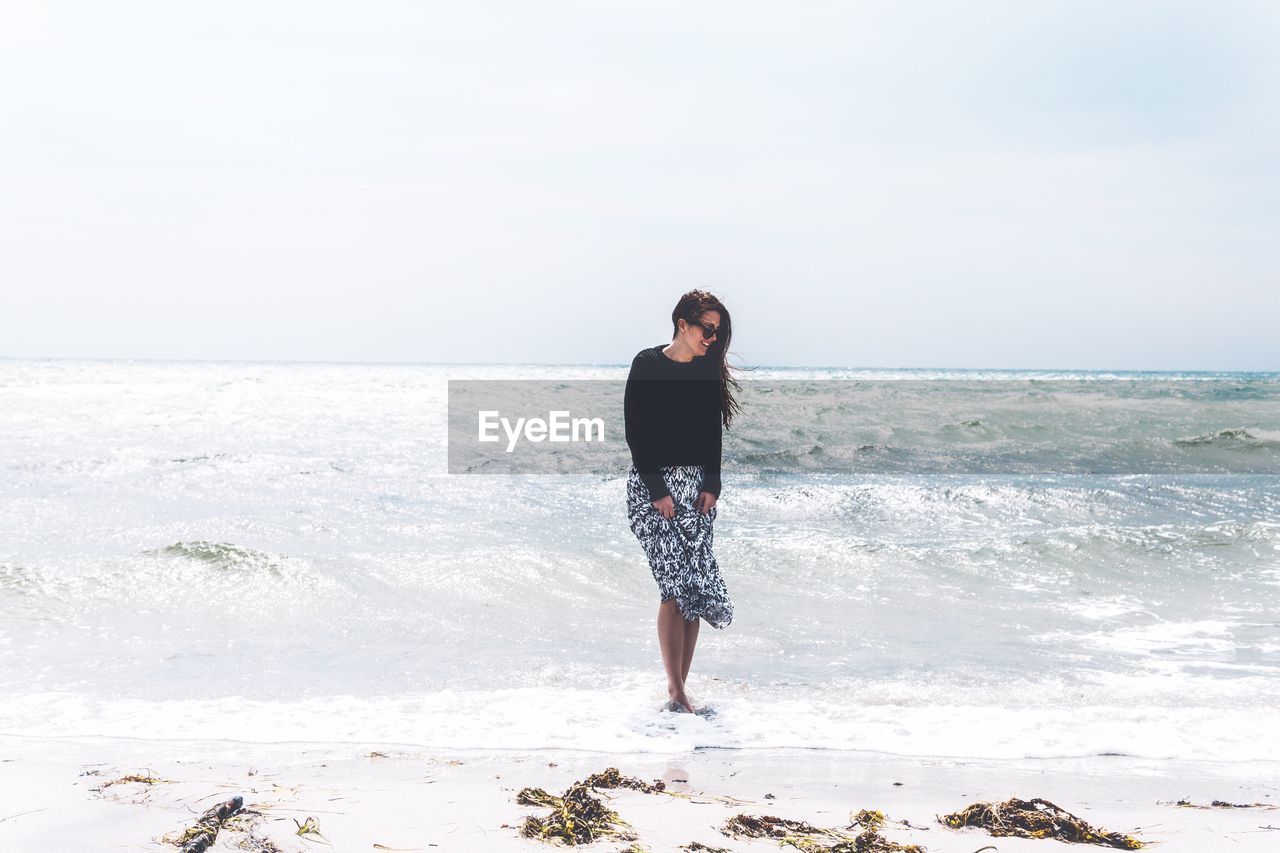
x,y
690,308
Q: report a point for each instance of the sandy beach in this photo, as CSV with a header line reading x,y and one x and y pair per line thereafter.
x,y
56,795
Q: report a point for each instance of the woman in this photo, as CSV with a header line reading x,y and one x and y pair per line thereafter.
x,y
678,397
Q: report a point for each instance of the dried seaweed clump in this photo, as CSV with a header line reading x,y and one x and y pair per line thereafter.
x,y
611,778
768,826
144,778
807,837
1036,818
1222,804
868,818
537,797
870,840
243,826
576,817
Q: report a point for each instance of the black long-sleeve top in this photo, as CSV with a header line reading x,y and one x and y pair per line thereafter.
x,y
672,411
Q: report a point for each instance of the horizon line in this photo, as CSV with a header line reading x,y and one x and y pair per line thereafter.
x,y
621,365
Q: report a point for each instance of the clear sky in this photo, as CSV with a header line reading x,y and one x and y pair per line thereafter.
x,y
883,184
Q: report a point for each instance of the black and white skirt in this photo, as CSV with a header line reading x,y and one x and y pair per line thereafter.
x,y
679,549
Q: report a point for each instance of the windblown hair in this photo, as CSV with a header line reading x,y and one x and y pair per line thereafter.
x,y
690,308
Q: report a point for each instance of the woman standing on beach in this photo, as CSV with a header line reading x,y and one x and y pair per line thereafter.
x,y
677,400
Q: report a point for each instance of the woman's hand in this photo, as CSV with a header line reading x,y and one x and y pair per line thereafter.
x,y
665,506
705,502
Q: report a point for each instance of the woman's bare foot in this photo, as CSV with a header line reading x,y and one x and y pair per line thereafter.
x,y
679,702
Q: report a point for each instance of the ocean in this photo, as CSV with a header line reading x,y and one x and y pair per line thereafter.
x,y
276,552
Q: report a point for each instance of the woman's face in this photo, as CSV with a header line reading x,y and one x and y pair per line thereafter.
x,y
692,333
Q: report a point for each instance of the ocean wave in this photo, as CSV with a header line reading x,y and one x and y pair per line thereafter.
x,y
226,557
19,579
1170,539
978,510
1239,438
220,573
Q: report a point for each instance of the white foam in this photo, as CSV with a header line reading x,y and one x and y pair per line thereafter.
x,y
1205,635
625,718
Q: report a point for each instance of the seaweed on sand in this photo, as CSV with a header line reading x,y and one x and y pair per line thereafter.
x,y
144,778
870,840
608,778
769,826
238,829
200,836
806,837
1036,818
576,816
242,827
611,778
1219,804
309,827
537,797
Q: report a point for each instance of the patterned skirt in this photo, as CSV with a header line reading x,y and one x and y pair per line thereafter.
x,y
679,549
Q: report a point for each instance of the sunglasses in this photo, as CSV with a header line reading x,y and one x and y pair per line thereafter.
x,y
708,330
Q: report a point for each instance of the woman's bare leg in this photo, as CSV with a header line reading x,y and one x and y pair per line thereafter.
x,y
690,640
671,634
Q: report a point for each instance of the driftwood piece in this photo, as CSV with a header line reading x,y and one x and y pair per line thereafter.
x,y
200,837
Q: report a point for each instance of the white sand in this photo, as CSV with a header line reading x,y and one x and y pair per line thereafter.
x,y
415,799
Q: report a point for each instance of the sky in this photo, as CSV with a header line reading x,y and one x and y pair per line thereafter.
x,y
1075,185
